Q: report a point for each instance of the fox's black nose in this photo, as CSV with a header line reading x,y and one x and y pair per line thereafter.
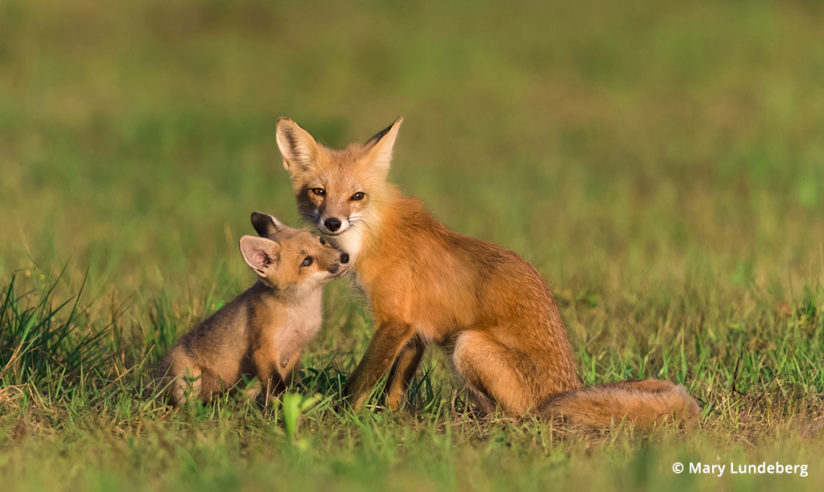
x,y
332,224
344,258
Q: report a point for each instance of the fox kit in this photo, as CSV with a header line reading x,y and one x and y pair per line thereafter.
x,y
487,306
262,332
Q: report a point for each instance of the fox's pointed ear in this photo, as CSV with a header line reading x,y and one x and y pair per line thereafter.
x,y
381,144
266,225
262,254
297,146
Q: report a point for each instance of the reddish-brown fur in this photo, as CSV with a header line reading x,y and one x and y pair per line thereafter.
x,y
487,306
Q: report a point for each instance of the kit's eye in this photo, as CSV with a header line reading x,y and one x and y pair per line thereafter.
x,y
318,191
322,242
357,196
307,261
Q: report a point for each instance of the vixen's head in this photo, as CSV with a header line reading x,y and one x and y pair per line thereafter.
x,y
292,260
334,188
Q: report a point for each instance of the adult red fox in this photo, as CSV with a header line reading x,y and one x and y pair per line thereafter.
x,y
485,305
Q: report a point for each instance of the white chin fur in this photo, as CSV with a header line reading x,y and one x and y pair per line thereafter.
x,y
349,241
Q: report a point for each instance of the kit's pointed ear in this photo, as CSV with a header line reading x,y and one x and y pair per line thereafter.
x,y
266,225
262,254
297,146
379,147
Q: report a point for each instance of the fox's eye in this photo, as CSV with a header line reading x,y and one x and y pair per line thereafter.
x,y
307,261
318,191
322,242
357,196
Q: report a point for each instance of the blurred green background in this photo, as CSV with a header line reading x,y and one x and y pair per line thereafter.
x,y
660,163
613,144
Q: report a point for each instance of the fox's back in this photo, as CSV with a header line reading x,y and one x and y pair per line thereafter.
x,y
219,342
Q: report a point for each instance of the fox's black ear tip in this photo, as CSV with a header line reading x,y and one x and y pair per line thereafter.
x,y
262,222
265,224
255,217
376,137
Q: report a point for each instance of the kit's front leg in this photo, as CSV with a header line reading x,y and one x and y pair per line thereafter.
x,y
268,375
290,370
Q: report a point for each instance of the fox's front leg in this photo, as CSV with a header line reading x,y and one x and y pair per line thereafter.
x,y
269,380
403,371
290,370
389,340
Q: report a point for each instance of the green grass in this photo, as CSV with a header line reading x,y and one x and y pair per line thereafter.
x,y
660,164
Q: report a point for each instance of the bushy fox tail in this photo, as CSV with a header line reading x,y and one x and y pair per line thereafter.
x,y
643,403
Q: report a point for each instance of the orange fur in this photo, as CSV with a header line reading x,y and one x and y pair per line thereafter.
x,y
644,403
487,306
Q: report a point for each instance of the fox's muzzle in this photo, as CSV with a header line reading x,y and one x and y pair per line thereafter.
x,y
332,225
335,267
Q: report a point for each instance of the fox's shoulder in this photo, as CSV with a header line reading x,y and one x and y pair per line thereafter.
x,y
409,216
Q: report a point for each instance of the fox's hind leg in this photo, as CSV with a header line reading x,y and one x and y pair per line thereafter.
x,y
180,377
182,380
494,373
